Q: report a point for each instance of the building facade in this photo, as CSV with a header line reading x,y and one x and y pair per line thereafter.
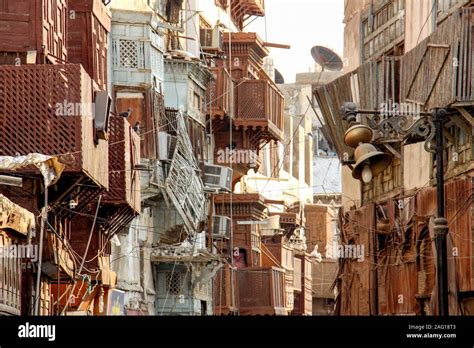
x,y
404,58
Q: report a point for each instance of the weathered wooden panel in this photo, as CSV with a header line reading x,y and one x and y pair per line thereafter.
x,y
34,25
88,28
357,293
317,223
144,117
330,99
379,83
303,302
428,71
95,152
465,61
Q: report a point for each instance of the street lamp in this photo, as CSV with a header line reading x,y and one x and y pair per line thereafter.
x,y
369,162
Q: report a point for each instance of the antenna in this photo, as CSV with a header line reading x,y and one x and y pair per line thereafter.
x,y
327,58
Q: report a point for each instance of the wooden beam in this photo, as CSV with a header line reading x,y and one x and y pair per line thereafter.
x,y
461,124
276,45
393,151
464,113
11,181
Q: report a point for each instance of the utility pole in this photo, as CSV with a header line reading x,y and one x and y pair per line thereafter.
x,y
441,224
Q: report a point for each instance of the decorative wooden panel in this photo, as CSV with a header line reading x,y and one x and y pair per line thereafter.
x,y
316,226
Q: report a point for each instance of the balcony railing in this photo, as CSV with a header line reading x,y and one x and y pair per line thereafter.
x,y
261,291
225,291
48,109
10,280
259,104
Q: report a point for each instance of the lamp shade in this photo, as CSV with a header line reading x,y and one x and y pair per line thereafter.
x,y
367,154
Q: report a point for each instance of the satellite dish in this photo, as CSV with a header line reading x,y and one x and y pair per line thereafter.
x,y
328,59
279,80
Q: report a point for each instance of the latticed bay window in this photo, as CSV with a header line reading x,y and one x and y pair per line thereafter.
x,y
129,54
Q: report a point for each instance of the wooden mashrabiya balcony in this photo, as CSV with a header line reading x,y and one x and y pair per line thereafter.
x,y
48,109
261,291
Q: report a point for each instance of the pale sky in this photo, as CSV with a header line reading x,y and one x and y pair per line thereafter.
x,y
301,24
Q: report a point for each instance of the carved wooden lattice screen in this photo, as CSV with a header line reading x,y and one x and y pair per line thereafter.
x,y
39,112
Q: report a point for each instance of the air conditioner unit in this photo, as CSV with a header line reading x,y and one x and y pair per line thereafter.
x,y
102,104
271,226
218,177
221,227
211,39
166,146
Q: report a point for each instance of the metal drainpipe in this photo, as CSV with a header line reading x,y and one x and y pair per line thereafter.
x,y
441,224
